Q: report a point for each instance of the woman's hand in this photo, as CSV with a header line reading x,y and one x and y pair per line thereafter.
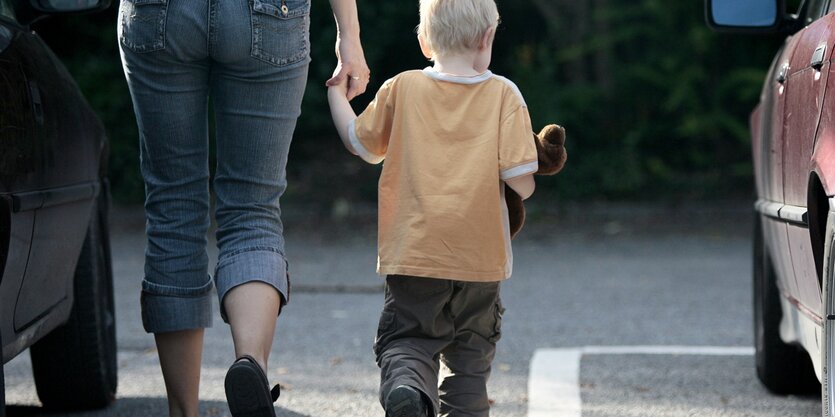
x,y
351,66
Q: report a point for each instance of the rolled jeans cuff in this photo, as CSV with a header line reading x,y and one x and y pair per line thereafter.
x,y
167,309
262,264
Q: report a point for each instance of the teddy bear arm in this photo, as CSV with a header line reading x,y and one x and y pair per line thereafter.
x,y
550,149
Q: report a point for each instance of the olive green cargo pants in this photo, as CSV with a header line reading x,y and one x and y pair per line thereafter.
x,y
426,322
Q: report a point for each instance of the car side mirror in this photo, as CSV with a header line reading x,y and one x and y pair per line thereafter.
x,y
745,16
69,6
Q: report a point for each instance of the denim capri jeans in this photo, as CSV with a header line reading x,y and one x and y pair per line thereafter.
x,y
251,58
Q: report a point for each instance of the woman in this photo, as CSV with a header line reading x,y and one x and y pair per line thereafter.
x,y
251,57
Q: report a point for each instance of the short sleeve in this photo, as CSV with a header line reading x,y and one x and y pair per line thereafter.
x,y
369,132
517,150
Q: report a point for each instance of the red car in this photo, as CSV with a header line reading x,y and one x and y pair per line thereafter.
x,y
793,141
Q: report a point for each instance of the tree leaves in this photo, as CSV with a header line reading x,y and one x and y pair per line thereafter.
x,y
654,103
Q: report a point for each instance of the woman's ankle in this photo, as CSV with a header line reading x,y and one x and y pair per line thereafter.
x,y
180,410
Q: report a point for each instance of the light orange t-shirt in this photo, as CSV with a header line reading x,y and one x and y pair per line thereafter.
x,y
448,143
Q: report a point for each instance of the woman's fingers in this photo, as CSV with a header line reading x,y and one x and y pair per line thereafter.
x,y
357,85
357,76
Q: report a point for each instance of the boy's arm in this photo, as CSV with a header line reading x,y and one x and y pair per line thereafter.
x,y
524,185
342,113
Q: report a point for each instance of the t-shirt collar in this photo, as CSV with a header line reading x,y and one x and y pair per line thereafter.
x,y
460,79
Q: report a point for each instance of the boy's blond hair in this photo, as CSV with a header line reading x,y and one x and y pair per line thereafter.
x,y
450,26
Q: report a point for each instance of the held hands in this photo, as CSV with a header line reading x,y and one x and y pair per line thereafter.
x,y
338,85
351,75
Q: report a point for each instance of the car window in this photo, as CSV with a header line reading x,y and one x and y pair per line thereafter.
x,y
811,10
816,9
6,10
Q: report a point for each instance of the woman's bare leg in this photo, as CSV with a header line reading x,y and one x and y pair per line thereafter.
x,y
180,354
252,310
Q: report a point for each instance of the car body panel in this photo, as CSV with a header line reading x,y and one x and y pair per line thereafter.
x,y
793,150
807,89
17,122
51,236
768,154
59,116
755,126
50,174
766,123
798,328
773,99
20,238
803,261
783,153
792,140
823,158
775,232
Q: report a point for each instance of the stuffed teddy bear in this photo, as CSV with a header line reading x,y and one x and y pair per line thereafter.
x,y
551,153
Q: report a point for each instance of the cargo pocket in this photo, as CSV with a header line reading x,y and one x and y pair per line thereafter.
x,y
498,311
280,31
142,24
386,328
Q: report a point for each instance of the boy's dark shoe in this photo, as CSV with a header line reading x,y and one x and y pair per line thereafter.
x,y
405,401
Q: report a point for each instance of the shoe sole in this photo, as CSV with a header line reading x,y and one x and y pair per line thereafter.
x,y
247,391
402,403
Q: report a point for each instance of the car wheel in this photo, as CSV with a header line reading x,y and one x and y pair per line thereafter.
x,y
783,368
75,365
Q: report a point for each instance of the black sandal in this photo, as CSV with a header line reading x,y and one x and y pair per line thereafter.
x,y
248,391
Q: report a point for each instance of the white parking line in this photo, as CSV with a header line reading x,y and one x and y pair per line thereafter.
x,y
554,378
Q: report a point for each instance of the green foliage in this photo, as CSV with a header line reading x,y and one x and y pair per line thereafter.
x,y
673,121
654,103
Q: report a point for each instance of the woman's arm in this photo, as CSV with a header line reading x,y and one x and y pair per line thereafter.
x,y
351,64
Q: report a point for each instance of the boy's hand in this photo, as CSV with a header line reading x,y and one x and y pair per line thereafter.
x,y
339,85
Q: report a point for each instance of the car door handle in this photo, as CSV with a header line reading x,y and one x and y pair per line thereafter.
x,y
817,57
37,103
781,74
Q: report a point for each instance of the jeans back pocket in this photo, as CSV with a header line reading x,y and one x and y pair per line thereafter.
x,y
142,24
280,30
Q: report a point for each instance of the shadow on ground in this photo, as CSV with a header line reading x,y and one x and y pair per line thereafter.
x,y
136,406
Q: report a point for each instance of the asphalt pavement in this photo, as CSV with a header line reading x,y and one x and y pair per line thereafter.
x,y
586,275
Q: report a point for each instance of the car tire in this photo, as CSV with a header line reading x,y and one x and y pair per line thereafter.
x,y
783,368
75,365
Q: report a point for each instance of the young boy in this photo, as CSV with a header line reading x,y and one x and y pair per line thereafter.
x,y
451,135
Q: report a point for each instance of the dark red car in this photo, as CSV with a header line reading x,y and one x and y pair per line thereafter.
x,y
56,289
793,141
